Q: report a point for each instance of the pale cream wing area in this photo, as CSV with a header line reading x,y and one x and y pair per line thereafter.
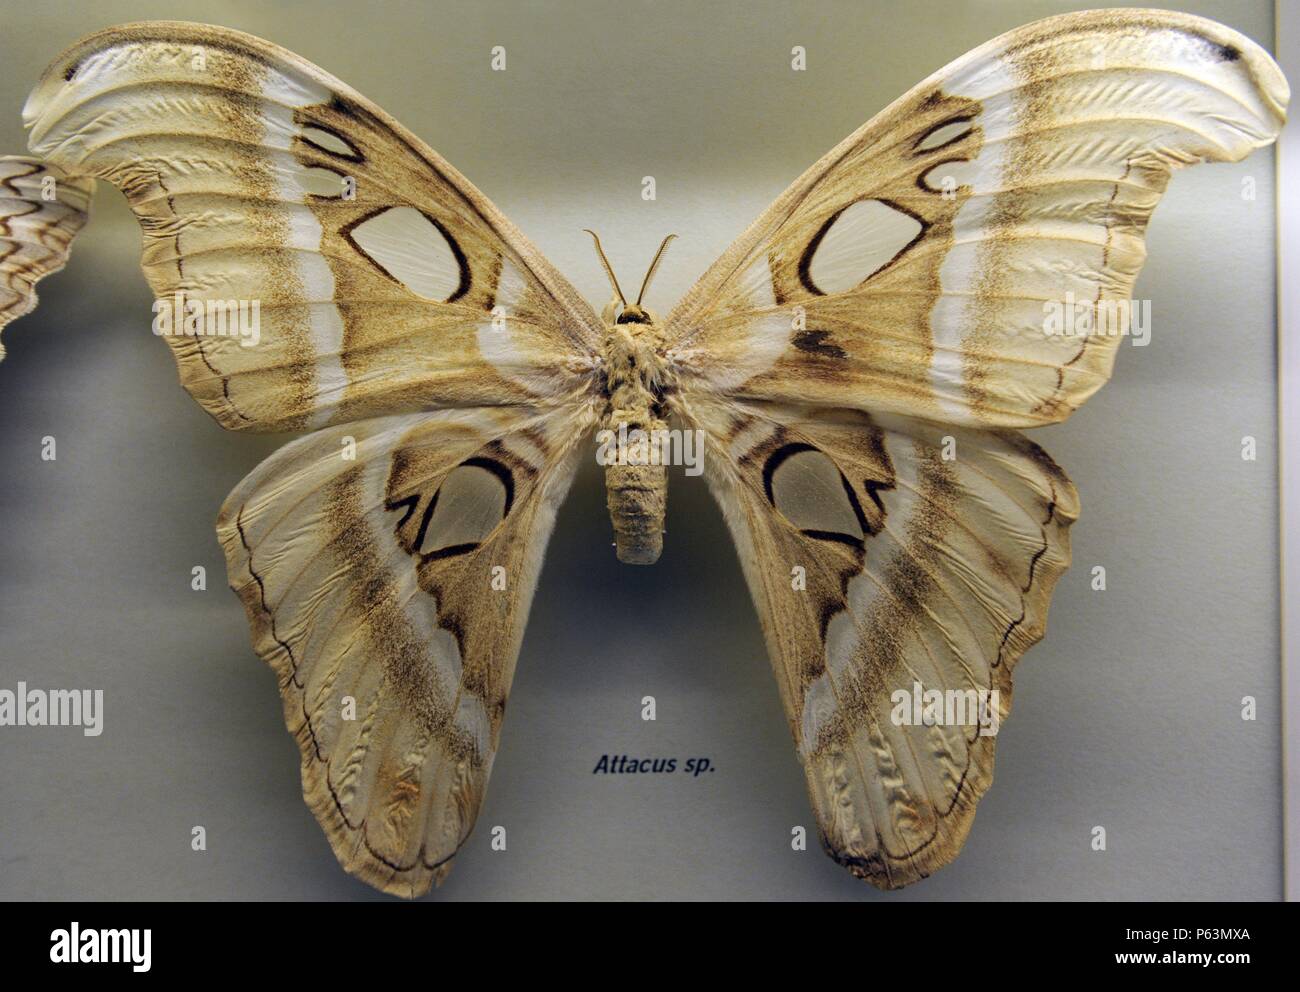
x,y
920,266
41,211
384,281
890,555
387,567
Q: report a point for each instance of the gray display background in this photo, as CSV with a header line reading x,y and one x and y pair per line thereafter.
x,y
1127,715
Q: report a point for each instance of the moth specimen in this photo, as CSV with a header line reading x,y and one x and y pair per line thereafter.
x,y
886,311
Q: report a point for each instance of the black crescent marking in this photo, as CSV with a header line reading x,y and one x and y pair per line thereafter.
x,y
503,474
450,551
923,178
805,260
873,490
466,280
424,524
410,502
835,537
857,507
775,460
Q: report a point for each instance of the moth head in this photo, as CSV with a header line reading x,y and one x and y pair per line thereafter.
x,y
618,310
633,314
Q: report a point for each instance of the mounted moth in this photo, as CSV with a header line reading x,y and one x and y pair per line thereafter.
x,y
887,307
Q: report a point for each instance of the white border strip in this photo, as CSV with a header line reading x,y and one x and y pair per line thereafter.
x,y
1287,40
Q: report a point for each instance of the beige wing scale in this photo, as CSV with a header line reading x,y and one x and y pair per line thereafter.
x,y
41,211
384,281
859,357
387,568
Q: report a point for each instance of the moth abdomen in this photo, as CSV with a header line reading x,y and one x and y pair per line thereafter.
x,y
637,496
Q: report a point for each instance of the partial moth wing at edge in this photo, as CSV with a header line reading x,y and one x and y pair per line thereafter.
x,y
41,211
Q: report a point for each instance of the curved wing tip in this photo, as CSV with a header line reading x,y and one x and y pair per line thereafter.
x,y
1267,78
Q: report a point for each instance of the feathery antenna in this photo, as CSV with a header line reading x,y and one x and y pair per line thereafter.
x,y
654,266
608,270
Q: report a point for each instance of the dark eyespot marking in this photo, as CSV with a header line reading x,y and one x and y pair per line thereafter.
x,y
326,139
1225,53
858,241
808,489
945,167
414,250
944,133
504,476
471,502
